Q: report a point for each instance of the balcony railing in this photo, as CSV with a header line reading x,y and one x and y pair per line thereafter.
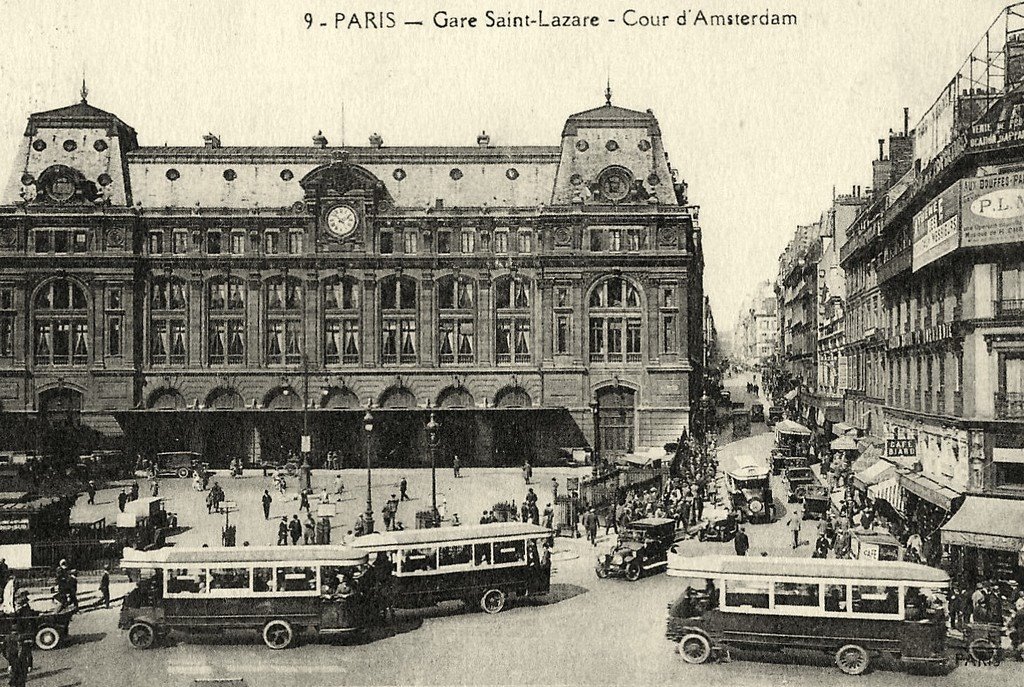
x,y
1009,404
1010,307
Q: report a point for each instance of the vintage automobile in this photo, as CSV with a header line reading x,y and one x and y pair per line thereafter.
x,y
750,493
874,545
719,525
641,549
775,414
145,523
756,412
49,628
180,463
817,502
792,443
798,479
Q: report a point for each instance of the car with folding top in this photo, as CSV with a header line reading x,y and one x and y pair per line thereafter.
x,y
641,549
852,610
750,492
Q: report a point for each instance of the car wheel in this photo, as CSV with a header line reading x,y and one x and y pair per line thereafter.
x,y
633,572
694,648
493,601
141,635
48,638
852,659
278,634
602,572
981,650
183,473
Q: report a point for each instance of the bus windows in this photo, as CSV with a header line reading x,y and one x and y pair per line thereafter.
x,y
455,555
296,579
224,580
796,594
186,581
876,599
419,560
835,598
746,593
509,552
262,579
482,554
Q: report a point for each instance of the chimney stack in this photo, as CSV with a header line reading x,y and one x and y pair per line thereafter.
x,y
320,141
906,121
376,140
211,141
483,140
881,149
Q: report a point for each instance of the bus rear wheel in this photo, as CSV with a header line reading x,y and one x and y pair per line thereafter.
x,y
278,634
694,648
493,601
47,638
141,635
852,659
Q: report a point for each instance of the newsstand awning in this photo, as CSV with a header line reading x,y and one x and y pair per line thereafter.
x,y
929,490
874,474
987,523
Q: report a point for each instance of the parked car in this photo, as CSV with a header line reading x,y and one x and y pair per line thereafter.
x,y
180,463
719,525
817,502
641,549
797,482
775,414
756,412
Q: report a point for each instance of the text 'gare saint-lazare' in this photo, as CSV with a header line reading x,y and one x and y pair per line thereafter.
x,y
630,17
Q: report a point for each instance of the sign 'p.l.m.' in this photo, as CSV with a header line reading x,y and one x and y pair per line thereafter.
x,y
900,448
992,209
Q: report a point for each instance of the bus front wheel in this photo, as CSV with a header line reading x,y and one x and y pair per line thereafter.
x,y
852,659
493,601
141,635
278,634
694,648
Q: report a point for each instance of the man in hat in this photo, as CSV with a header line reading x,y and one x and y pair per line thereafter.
x,y
282,532
105,586
267,500
91,490
122,499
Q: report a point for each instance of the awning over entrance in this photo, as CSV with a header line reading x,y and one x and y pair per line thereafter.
x,y
841,428
987,523
645,457
929,490
868,457
888,490
844,443
874,474
790,427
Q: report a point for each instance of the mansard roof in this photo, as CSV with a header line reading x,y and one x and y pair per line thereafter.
x,y
80,115
612,117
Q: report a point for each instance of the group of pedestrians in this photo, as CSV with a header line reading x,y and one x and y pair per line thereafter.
x,y
307,531
125,497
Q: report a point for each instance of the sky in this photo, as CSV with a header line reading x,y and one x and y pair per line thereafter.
x,y
762,122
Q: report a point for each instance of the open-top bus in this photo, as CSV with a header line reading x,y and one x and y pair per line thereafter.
x,y
481,565
851,609
279,592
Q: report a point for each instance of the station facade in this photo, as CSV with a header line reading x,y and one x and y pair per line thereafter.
x,y
227,299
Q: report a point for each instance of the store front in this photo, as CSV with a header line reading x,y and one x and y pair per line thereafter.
x,y
927,506
985,540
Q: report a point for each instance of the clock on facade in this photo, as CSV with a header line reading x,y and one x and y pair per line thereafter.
x,y
342,221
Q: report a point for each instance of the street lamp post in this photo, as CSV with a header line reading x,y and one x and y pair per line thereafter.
x,y
594,410
432,445
368,516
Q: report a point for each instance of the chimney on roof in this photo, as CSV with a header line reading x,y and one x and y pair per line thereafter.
x,y
320,141
211,141
483,140
906,121
376,140
881,149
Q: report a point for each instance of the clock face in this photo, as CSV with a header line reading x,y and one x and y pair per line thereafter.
x,y
342,221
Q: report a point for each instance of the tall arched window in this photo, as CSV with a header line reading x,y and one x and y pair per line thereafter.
x,y
168,321
284,321
61,324
226,330
616,320
513,326
455,301
398,320
341,322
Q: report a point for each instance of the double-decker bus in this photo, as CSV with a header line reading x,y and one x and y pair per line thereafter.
x,y
851,609
481,565
279,592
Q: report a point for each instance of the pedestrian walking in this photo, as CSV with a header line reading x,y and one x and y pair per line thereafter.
x,y
135,492
456,465
295,530
549,516
554,489
309,530
794,523
304,500
403,490
267,500
282,532
590,524
339,486
525,512
741,542
122,499
154,488
611,519
527,472
105,586
91,490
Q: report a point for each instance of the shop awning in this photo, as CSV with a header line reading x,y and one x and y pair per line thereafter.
x,y
790,427
929,490
841,428
844,443
987,523
881,470
644,457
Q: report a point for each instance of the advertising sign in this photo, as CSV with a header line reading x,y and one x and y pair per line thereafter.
x,y
935,130
993,209
900,448
937,228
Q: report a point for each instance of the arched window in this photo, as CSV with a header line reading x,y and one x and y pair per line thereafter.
x,y
398,320
513,327
226,330
616,320
284,321
61,324
341,321
168,321
455,301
